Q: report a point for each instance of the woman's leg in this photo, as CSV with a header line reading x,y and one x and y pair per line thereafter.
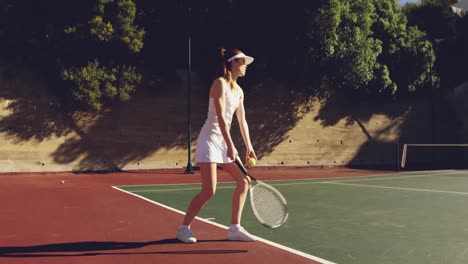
x,y
209,180
240,193
236,232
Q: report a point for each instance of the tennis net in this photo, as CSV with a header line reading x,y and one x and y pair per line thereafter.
x,y
434,156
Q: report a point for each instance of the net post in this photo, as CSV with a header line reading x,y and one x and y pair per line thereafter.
x,y
403,156
397,156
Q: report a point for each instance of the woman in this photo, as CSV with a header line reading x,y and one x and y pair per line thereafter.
x,y
215,145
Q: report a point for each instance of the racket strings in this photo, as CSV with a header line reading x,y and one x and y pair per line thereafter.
x,y
269,206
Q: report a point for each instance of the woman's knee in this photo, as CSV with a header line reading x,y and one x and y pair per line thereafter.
x,y
208,171
207,193
243,184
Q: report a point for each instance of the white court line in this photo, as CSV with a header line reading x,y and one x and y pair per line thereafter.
x,y
163,184
314,181
179,189
374,178
166,190
400,177
282,180
395,188
306,179
271,243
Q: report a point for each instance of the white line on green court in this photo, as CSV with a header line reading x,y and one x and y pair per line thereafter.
x,y
395,188
370,177
271,243
180,189
309,181
400,177
162,184
293,180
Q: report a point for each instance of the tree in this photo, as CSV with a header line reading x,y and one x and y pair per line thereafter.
x,y
362,46
111,38
436,19
91,44
406,52
443,3
445,30
342,44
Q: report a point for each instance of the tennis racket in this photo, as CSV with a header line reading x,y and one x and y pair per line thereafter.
x,y
268,204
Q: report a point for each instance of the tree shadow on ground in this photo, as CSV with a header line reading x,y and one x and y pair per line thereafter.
x,y
422,120
272,110
357,110
380,147
124,134
441,120
109,140
32,119
30,112
155,119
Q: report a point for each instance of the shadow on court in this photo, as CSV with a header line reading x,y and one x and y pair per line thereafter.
x,y
154,119
94,248
426,120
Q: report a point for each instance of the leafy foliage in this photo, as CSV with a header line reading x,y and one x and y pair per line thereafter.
x,y
129,34
103,31
95,84
369,47
436,19
363,46
105,79
445,30
406,52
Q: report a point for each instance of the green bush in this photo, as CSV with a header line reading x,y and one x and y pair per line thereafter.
x,y
94,85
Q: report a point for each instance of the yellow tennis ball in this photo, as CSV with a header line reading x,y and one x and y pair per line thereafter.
x,y
252,162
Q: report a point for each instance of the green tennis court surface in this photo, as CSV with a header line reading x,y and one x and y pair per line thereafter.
x,y
419,217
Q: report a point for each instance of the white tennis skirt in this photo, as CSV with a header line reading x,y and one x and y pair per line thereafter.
x,y
211,146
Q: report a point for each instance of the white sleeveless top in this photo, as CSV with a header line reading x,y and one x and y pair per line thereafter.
x,y
211,146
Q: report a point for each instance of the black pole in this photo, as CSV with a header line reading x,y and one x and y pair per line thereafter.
x,y
189,169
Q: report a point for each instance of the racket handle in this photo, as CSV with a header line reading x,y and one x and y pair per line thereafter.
x,y
242,168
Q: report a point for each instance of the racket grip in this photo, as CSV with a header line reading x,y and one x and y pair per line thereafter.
x,y
241,166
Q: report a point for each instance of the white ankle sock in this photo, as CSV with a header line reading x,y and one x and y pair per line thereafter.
x,y
234,227
184,227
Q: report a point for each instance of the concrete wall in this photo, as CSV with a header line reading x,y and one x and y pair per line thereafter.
x,y
150,131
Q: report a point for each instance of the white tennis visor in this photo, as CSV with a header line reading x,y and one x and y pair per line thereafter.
x,y
248,59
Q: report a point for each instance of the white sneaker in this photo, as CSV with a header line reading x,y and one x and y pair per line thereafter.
x,y
185,235
240,235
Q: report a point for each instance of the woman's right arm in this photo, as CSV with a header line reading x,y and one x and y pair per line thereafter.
x,y
217,92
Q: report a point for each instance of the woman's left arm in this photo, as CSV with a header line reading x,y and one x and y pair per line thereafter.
x,y
244,127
